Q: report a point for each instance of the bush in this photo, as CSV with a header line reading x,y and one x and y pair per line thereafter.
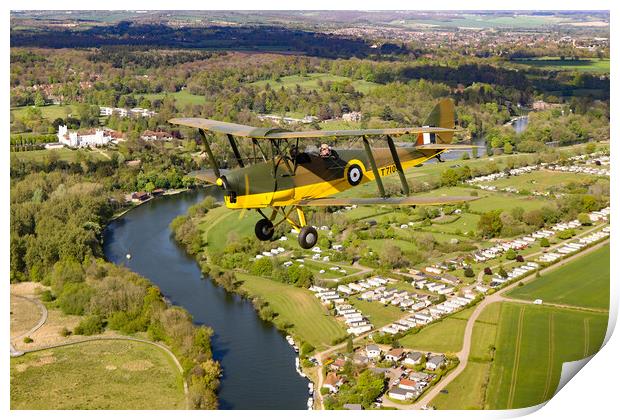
x,y
488,271
566,234
90,326
28,340
520,258
46,296
306,348
544,242
262,267
65,332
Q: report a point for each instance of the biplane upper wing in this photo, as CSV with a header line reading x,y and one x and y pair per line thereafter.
x,y
390,201
241,130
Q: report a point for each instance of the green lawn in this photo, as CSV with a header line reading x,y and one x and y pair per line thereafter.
x,y
593,65
109,375
532,343
582,282
182,98
69,155
49,112
443,336
220,223
297,306
378,314
311,81
539,180
378,245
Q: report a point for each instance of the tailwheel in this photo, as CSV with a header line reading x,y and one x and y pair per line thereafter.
x,y
264,229
307,237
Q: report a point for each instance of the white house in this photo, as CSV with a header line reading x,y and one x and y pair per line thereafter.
x,y
94,138
413,358
373,351
436,362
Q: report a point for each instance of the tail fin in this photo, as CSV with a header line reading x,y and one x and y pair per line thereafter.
x,y
441,116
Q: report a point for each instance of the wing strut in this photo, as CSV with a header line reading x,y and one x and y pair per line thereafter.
x,y
233,146
399,167
214,165
373,165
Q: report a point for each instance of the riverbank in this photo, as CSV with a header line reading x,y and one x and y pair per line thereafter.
x,y
249,350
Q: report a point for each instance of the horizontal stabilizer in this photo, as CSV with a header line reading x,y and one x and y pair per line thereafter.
x,y
206,175
390,201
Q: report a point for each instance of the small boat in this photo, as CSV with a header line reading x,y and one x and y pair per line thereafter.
x,y
128,256
290,340
310,403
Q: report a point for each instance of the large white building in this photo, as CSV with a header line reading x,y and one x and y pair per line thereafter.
x,y
96,138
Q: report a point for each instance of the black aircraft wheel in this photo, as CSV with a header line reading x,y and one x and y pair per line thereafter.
x,y
264,229
307,237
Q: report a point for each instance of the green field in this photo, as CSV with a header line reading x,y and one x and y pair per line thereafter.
x,y
582,282
221,222
311,81
532,343
467,391
517,354
297,306
593,65
539,180
182,98
110,375
49,112
443,336
525,21
69,155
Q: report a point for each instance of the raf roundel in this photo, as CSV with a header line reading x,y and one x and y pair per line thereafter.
x,y
354,174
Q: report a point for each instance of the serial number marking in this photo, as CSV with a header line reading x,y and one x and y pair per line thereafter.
x,y
387,170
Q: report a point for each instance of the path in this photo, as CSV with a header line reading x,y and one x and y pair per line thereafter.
x,y
39,324
43,319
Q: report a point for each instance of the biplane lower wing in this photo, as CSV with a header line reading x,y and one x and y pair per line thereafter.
x,y
441,146
207,175
390,201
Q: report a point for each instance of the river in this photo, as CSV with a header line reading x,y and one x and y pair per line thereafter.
x,y
258,364
519,124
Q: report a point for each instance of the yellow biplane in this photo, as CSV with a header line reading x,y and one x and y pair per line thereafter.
x,y
286,179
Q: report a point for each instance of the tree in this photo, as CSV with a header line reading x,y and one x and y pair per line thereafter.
x,y
511,254
469,272
488,271
502,272
584,219
544,242
39,100
490,224
349,344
